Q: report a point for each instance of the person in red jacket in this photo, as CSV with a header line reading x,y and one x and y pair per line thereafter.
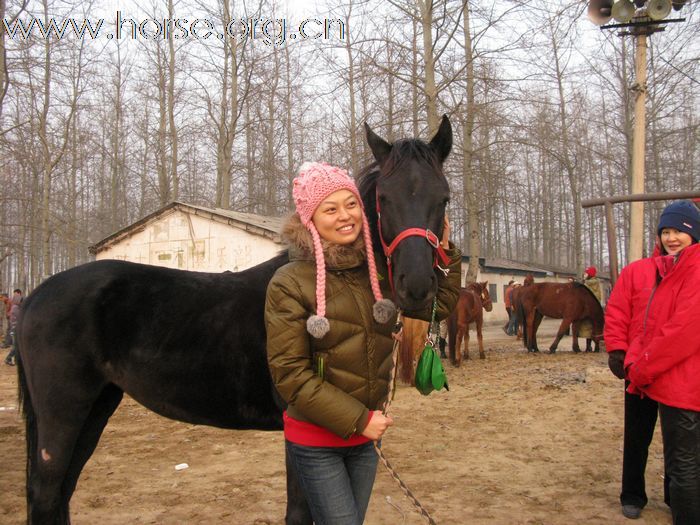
x,y
653,342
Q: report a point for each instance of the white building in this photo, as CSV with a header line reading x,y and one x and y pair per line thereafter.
x,y
195,238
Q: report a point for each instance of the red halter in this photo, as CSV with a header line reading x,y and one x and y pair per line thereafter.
x,y
411,232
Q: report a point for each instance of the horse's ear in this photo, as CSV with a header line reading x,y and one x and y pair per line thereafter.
x,y
442,141
380,147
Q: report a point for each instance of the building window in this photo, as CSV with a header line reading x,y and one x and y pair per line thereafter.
x,y
493,293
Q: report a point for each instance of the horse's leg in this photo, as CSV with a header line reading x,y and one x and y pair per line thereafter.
x,y
589,345
298,512
537,319
58,409
452,338
102,410
574,336
529,323
458,346
480,338
563,327
466,342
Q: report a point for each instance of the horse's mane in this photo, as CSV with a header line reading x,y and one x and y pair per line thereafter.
x,y
476,287
401,150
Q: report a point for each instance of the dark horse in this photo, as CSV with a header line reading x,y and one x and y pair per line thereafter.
x,y
190,346
472,301
571,302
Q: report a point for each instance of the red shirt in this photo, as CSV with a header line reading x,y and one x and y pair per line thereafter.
x,y
310,435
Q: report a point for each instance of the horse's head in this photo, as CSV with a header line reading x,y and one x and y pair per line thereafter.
x,y
405,189
481,290
486,296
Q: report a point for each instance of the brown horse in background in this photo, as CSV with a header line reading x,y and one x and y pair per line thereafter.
x,y
472,301
572,302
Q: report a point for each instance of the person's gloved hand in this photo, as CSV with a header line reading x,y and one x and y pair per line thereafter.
x,y
616,363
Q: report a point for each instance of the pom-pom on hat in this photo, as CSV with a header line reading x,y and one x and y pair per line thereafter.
x,y
683,216
591,271
317,180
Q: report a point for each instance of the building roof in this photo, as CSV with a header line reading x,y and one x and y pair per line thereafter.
x,y
268,227
497,265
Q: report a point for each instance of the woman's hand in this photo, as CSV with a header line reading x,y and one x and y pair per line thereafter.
x,y
445,241
378,424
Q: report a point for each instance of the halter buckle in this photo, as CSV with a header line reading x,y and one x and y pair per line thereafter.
x,y
432,239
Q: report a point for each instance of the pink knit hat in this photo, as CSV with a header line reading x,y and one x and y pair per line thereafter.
x,y
315,182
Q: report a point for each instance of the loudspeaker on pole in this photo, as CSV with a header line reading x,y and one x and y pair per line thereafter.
x,y
599,11
623,10
658,9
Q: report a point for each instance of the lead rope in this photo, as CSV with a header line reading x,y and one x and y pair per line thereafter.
x,y
385,411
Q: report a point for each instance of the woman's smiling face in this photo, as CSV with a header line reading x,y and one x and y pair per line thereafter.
x,y
674,241
338,218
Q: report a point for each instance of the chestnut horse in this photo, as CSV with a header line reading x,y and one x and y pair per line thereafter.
x,y
571,302
472,300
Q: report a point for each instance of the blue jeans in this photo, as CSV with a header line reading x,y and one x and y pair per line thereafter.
x,y
337,481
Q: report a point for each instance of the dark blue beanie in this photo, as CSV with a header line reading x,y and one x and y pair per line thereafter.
x,y
683,216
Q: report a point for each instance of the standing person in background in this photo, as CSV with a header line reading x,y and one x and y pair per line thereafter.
x,y
592,282
585,328
5,306
653,342
509,307
14,316
7,341
514,325
329,343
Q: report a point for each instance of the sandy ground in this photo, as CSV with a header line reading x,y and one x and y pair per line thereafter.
x,y
519,439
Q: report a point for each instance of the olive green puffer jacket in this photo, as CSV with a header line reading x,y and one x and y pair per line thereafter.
x,y
334,381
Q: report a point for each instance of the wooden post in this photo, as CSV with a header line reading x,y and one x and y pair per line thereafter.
x,y
636,240
612,242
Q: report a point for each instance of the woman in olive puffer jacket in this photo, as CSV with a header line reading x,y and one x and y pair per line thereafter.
x,y
329,343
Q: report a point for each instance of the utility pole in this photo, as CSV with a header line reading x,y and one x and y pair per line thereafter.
x,y
636,238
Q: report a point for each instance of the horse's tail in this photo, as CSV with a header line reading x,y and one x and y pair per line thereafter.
x,y
27,408
452,335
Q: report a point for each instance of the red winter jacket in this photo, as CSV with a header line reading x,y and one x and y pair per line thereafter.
x,y
657,326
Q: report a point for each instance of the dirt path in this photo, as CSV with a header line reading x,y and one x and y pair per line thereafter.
x,y
519,439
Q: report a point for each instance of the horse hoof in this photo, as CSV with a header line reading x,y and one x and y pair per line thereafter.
x,y
577,351
552,351
482,356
